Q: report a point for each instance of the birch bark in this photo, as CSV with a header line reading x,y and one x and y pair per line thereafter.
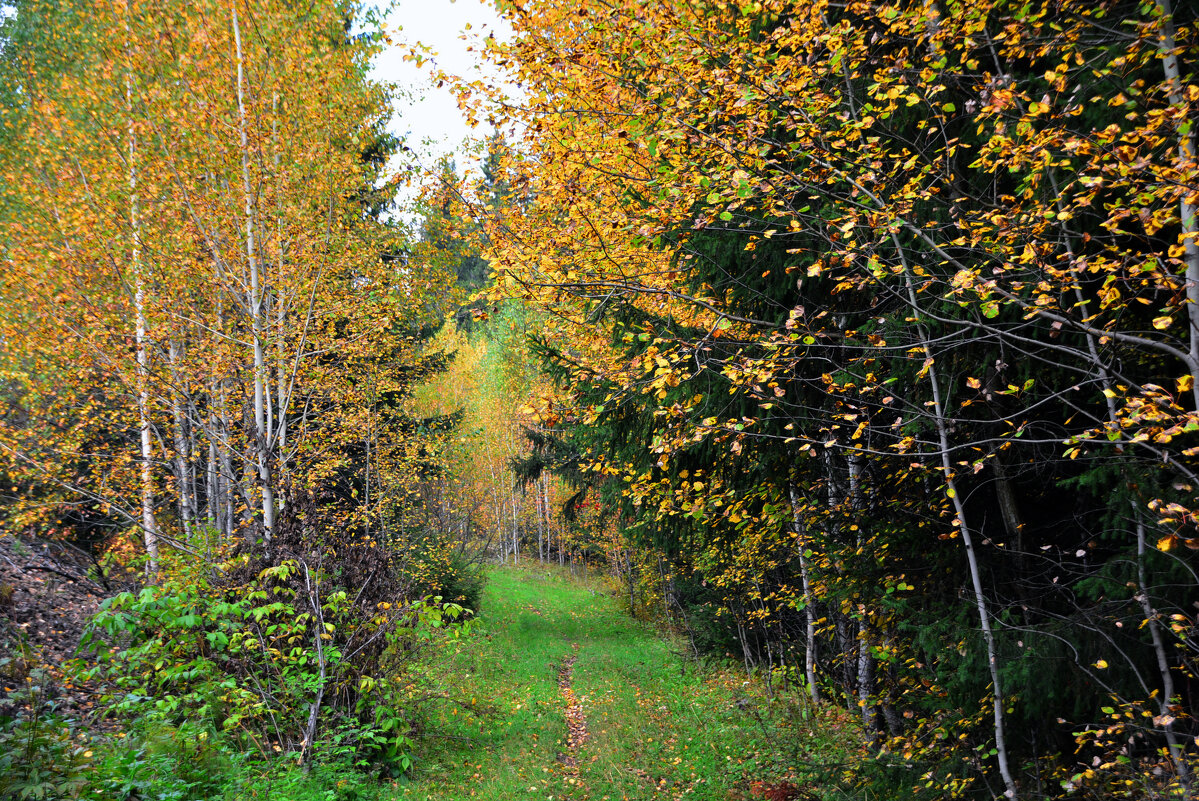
x,y
149,525
263,443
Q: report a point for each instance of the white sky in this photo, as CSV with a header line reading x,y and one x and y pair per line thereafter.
x,y
426,116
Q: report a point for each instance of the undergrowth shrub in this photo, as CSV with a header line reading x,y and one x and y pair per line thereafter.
x,y
185,763
42,752
454,575
298,650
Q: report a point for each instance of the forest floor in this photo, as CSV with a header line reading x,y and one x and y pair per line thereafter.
x,y
553,693
565,697
48,591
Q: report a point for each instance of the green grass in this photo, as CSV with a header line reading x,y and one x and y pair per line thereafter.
x,y
659,728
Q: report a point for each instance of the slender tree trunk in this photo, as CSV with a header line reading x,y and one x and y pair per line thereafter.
x,y
318,626
498,510
866,679
366,478
1165,698
745,655
846,642
263,445
1186,156
227,480
980,598
149,525
848,655
545,510
542,548
515,529
212,491
194,426
182,449
808,598
1008,510
281,369
628,571
853,461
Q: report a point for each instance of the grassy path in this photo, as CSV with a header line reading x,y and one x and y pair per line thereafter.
x,y
648,727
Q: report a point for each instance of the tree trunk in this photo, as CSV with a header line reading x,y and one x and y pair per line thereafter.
x,y
808,598
515,531
545,510
149,525
182,449
1166,697
980,599
212,493
866,681
263,445
542,551
228,511
628,570
1186,155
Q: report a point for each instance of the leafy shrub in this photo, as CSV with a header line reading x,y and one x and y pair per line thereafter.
x,y
291,650
188,763
40,754
461,580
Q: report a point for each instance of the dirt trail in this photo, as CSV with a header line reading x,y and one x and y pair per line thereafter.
x,y
576,722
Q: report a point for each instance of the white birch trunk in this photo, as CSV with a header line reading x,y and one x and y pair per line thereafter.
x,y
543,547
498,507
212,490
1186,156
227,481
515,531
808,597
182,451
263,443
1165,719
149,525
281,369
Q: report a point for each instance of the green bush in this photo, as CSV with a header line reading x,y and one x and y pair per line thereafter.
x,y
188,763
288,661
436,566
463,581
41,755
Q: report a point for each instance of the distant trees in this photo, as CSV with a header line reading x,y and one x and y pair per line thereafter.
x,y
878,321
